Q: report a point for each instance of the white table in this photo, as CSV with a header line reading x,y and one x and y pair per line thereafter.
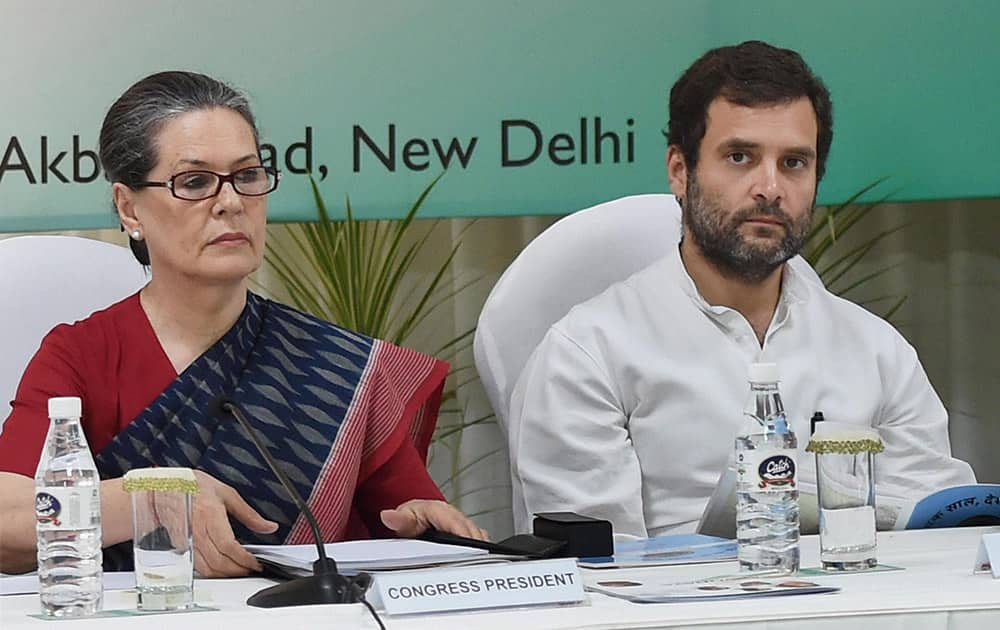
x,y
936,590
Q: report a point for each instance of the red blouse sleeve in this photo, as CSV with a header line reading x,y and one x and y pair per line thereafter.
x,y
53,371
111,360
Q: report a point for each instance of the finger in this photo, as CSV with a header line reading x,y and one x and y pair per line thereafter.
x,y
219,564
444,517
414,517
208,510
235,559
404,522
214,562
200,566
245,514
202,545
210,562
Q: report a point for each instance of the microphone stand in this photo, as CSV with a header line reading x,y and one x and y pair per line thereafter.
x,y
326,585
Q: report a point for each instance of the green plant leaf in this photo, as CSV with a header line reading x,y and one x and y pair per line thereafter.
x,y
838,265
447,483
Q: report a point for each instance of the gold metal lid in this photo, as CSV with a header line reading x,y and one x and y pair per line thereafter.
x,y
160,480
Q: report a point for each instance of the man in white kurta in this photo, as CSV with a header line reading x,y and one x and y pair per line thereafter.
x,y
629,408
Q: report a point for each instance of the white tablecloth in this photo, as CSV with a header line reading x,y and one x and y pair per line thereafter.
x,y
936,590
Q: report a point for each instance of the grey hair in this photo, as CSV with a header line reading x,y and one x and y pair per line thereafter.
x,y
127,145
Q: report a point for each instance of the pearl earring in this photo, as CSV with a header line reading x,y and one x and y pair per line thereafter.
x,y
136,235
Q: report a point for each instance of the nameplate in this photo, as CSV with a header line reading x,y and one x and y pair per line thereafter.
x,y
988,556
525,583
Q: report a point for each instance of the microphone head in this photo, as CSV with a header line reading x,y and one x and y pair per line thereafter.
x,y
219,407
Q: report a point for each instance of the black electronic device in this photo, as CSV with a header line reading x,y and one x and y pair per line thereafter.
x,y
525,545
555,535
533,546
584,537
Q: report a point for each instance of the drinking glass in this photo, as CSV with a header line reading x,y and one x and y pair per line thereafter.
x,y
845,488
164,554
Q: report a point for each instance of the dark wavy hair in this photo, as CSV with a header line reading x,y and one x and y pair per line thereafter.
x,y
750,74
128,135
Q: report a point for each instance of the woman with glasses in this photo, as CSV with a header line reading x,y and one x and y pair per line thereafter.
x,y
348,417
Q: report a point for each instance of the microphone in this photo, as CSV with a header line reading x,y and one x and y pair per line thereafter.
x,y
326,585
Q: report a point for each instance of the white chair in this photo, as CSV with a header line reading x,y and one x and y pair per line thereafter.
x,y
49,280
572,261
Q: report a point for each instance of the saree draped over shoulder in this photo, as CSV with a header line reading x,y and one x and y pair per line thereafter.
x,y
331,406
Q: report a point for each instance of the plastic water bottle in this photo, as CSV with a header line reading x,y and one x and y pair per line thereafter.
x,y
68,517
767,495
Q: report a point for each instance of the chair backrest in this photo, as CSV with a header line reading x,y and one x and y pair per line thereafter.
x,y
572,261
50,280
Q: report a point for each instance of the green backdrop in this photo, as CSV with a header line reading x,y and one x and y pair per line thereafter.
x,y
915,85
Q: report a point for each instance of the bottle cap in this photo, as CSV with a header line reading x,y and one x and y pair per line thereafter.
x,y
763,373
65,407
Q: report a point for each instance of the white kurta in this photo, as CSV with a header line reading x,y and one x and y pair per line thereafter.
x,y
628,408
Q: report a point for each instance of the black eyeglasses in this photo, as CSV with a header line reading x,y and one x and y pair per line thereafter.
x,y
253,181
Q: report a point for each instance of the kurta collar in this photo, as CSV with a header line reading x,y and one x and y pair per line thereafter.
x,y
794,286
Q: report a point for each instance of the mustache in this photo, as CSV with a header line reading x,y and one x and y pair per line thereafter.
x,y
763,209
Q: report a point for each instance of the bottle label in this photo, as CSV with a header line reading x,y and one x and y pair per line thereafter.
x,y
58,508
766,470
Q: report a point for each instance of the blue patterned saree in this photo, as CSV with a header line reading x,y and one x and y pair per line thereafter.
x,y
328,402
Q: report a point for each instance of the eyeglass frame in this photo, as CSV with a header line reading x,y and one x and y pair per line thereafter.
x,y
222,179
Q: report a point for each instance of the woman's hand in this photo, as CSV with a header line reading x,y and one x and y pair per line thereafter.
x,y
417,515
216,551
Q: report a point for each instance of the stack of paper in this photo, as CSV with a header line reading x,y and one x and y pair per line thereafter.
x,y
368,555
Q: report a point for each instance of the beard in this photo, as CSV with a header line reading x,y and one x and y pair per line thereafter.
x,y
716,231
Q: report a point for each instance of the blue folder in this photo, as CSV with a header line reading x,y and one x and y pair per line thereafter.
x,y
959,506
